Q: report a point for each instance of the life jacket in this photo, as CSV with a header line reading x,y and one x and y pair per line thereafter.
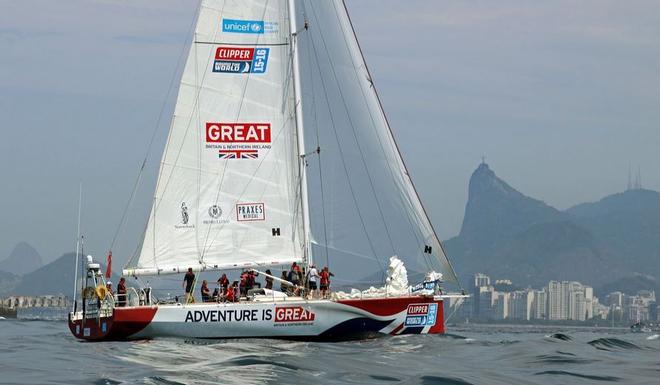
x,y
230,293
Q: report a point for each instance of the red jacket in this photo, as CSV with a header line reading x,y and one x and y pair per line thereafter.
x,y
230,294
325,277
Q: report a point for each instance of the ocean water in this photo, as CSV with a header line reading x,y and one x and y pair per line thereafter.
x,y
44,352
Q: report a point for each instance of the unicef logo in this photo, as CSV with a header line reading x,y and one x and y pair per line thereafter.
x,y
215,211
255,27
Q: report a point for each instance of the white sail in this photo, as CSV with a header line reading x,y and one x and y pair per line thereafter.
x,y
228,191
364,207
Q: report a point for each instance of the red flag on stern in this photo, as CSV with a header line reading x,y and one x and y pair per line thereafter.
x,y
108,269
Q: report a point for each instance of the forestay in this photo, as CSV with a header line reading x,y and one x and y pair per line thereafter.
x,y
228,190
364,207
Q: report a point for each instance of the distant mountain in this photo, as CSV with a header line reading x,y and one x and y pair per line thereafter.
x,y
629,285
553,251
23,259
55,278
8,282
496,211
628,224
509,235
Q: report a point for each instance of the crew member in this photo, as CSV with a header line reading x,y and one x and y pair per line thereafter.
x,y
121,292
231,292
188,282
251,280
283,286
269,280
223,282
312,277
244,282
294,278
206,293
325,281
108,287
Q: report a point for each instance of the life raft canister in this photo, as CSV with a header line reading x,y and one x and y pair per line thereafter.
x,y
88,292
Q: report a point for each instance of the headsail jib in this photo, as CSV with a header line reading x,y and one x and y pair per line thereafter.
x,y
364,206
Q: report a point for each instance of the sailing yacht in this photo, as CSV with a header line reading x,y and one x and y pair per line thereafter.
x,y
278,152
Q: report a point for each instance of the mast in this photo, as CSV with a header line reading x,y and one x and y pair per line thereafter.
x,y
297,93
75,279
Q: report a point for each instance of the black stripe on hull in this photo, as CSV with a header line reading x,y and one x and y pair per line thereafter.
x,y
409,330
354,329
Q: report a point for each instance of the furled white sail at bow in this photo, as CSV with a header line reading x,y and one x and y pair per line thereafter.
x,y
364,207
227,192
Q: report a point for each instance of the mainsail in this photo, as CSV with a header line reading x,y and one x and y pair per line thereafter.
x,y
228,191
363,205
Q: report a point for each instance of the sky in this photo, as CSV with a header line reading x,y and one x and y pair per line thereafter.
x,y
561,97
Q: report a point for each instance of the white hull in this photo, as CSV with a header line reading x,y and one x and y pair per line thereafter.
x,y
297,319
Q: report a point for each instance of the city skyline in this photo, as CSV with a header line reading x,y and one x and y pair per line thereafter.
x,y
556,302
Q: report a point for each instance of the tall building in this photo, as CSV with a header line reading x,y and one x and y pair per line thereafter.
x,y
577,309
653,311
501,306
481,280
615,299
541,304
616,302
481,307
486,305
590,301
569,301
638,308
555,301
521,305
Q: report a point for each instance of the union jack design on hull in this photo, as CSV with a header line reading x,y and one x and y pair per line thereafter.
x,y
292,319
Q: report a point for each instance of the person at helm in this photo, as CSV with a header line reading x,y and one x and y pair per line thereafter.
x,y
121,292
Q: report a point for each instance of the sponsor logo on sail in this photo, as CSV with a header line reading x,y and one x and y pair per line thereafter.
x,y
215,216
215,211
248,26
250,212
184,213
237,132
185,218
238,140
241,60
293,315
421,314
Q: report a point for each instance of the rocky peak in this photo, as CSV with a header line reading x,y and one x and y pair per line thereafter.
x,y
23,259
496,211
